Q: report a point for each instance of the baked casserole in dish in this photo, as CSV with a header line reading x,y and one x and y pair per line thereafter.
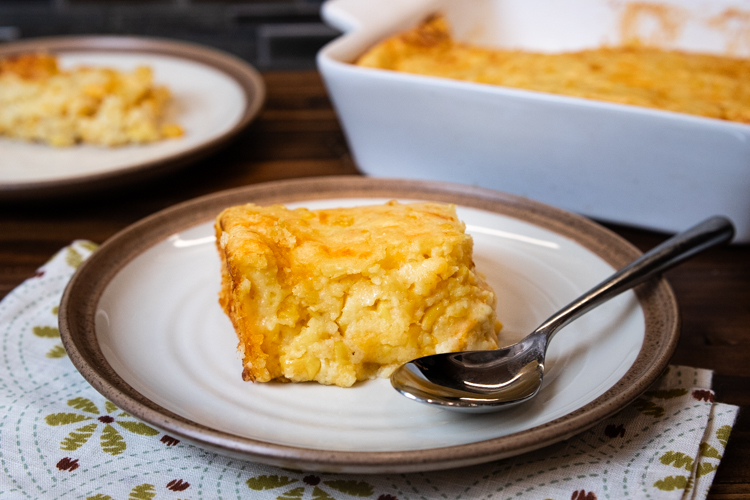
x,y
619,162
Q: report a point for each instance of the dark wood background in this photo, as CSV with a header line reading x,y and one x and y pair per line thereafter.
x,y
298,135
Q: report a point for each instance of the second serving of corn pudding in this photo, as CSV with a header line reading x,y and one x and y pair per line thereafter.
x,y
39,101
349,294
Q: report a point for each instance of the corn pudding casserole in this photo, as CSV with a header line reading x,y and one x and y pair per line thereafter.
x,y
103,106
348,294
698,84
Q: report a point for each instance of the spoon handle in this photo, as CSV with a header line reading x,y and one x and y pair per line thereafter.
x,y
676,249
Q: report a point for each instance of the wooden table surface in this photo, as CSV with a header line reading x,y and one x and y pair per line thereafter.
x,y
298,135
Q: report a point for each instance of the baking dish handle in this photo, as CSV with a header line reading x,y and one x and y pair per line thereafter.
x,y
350,15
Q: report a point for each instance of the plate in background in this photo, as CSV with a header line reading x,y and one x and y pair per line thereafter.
x,y
141,322
214,96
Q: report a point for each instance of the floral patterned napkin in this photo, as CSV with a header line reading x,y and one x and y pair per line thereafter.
x,y
59,438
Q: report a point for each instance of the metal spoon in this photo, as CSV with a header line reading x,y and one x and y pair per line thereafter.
x,y
486,381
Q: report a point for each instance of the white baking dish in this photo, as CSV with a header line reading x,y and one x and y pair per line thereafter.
x,y
642,167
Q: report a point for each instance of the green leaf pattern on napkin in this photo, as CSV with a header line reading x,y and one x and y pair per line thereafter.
x,y
699,466
74,255
111,441
312,482
260,483
141,492
50,332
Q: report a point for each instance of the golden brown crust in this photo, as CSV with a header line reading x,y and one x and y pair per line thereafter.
x,y
30,66
699,84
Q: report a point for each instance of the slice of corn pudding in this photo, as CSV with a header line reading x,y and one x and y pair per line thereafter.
x,y
349,294
41,102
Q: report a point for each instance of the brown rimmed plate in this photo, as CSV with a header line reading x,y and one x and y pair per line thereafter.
x,y
141,322
214,96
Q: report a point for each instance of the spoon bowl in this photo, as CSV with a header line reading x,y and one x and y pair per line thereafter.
x,y
487,381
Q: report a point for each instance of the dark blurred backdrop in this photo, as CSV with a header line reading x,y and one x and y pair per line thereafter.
x,y
275,34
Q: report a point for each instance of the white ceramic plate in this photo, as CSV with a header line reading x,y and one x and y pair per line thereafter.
x,y
214,96
161,330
